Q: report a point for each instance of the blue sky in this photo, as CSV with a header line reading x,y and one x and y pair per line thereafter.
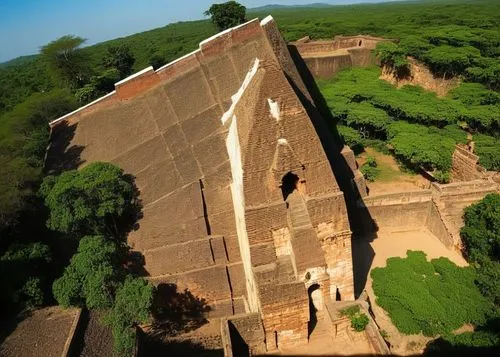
x,y
25,25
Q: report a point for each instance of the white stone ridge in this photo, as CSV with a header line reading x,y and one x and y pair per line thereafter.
x,y
138,74
238,198
274,108
226,32
176,60
268,19
55,121
237,96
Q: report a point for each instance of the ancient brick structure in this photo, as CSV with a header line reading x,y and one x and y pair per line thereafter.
x,y
325,58
240,204
465,165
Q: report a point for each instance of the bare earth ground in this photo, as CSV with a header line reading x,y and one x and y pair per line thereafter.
x,y
391,178
43,333
97,339
395,244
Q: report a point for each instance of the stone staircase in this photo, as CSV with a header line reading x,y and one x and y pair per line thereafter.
x,y
306,247
298,214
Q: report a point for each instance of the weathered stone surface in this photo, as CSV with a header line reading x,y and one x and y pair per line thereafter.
x,y
210,139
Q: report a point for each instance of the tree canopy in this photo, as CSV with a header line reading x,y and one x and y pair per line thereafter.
x,y
481,238
89,201
120,58
91,277
227,15
66,61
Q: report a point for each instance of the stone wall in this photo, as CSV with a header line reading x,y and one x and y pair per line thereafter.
x,y
465,164
244,332
451,199
399,210
440,209
326,58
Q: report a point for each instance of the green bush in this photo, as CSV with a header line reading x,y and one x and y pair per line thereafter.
x,y
481,239
481,231
359,320
132,306
22,271
370,169
352,138
91,277
488,150
433,297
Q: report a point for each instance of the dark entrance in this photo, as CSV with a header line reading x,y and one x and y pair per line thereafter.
x,y
313,319
289,184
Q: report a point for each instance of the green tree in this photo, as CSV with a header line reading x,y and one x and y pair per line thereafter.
x,y
132,307
481,231
394,57
121,58
66,61
481,238
92,275
92,200
227,15
24,135
21,274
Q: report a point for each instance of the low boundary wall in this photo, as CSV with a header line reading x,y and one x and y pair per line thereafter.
x,y
75,329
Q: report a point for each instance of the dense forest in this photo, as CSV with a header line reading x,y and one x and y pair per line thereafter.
x,y
453,38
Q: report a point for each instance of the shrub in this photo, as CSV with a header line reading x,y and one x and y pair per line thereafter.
x,y
359,320
132,306
352,138
91,277
22,268
370,169
481,239
481,231
433,297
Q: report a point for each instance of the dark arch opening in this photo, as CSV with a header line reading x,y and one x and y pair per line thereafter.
x,y
360,42
288,184
313,319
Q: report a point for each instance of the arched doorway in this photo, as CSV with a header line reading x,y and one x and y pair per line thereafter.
x,y
315,304
289,184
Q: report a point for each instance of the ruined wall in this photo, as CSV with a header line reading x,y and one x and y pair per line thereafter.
x,y
437,227
326,58
464,164
209,138
451,199
439,209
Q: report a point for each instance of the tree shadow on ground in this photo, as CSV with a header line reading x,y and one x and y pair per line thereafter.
x,y
60,155
177,312
151,346
9,322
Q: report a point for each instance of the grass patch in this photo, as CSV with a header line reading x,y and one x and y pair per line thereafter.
x,y
433,297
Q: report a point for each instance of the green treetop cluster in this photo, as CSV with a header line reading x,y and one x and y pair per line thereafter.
x,y
420,128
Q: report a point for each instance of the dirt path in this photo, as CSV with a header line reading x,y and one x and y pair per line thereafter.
x,y
391,178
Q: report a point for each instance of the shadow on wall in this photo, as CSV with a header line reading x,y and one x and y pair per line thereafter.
x,y
176,312
153,347
362,225
60,155
239,346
